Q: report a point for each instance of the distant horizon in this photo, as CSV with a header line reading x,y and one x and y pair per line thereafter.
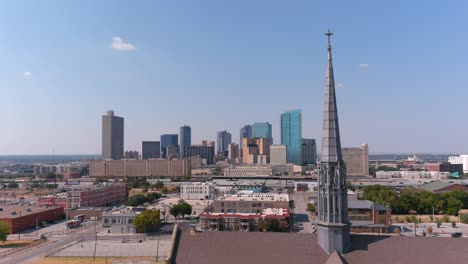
x,y
318,153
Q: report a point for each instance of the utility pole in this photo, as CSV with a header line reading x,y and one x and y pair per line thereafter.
x,y
66,210
157,250
95,237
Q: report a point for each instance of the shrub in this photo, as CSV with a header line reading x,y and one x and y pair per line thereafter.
x,y
454,224
429,229
445,219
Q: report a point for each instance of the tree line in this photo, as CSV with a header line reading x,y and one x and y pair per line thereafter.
x,y
412,200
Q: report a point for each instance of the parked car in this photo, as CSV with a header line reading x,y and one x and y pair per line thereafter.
x,y
457,234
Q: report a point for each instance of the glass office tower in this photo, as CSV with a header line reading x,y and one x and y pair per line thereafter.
x,y
291,135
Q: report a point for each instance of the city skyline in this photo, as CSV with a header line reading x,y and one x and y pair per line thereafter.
x,y
59,75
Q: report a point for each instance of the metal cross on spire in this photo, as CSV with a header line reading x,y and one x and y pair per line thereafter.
x,y
329,34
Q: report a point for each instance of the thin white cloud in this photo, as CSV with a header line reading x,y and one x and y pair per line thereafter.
x,y
27,74
339,85
119,44
363,65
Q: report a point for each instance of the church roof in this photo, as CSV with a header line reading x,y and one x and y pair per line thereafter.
x,y
259,247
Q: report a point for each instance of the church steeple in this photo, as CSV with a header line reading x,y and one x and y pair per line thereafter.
x,y
331,145
333,224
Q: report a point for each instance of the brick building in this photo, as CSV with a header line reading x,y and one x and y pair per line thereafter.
x,y
19,218
94,196
367,216
144,168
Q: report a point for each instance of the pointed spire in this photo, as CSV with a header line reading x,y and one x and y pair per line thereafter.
x,y
331,145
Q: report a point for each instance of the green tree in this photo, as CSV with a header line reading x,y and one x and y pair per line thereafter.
x,y
147,220
175,211
185,208
311,207
273,225
164,190
453,206
186,178
158,185
4,231
13,185
136,200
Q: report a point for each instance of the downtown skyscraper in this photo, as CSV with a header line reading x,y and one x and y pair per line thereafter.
x,y
291,135
245,132
185,136
112,136
168,140
223,139
261,130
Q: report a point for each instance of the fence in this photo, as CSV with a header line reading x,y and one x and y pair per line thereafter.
x,y
18,249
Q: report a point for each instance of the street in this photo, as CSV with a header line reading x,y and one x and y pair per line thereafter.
x,y
32,254
302,215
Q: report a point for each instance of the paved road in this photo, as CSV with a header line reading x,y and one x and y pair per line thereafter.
x,y
33,254
302,215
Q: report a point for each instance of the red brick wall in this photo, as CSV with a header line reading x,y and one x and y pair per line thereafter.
x,y
29,221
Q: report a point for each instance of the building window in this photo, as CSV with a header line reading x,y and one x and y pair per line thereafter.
x,y
114,221
130,221
222,204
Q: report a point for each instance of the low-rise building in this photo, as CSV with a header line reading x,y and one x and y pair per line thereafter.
x,y
19,218
120,220
197,191
198,206
254,170
245,222
367,216
107,194
443,187
253,203
412,175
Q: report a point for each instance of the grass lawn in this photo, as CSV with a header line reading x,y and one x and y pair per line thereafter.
x,y
15,243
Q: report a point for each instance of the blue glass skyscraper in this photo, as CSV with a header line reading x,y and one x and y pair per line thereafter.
x,y
261,130
168,140
185,135
291,135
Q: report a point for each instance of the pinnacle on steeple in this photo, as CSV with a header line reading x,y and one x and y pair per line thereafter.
x,y
331,145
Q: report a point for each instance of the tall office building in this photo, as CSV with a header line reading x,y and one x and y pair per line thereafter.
x,y
261,130
291,135
356,160
309,151
185,135
332,220
205,152
278,154
223,139
233,151
245,132
150,149
112,136
253,147
168,140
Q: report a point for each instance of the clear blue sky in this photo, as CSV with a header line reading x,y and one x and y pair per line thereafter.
x,y
218,65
